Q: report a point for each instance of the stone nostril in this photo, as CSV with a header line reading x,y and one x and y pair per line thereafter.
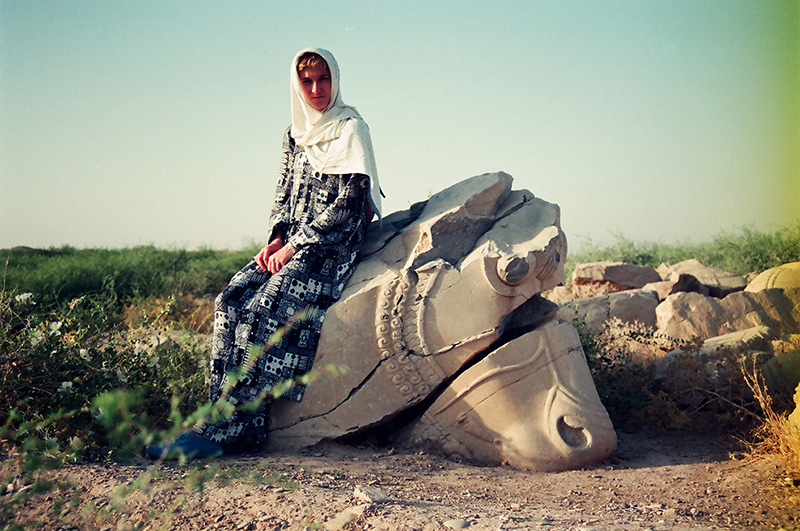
x,y
575,436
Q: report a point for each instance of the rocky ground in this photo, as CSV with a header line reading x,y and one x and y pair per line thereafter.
x,y
671,481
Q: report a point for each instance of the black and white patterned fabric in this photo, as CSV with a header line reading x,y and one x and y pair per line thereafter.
x,y
323,217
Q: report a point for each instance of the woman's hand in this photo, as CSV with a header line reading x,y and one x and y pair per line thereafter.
x,y
262,258
280,258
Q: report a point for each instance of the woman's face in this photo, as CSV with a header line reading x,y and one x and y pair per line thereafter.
x,y
316,84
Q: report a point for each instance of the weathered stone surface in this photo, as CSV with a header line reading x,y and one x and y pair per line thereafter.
x,y
345,519
595,288
632,306
437,286
370,494
676,284
560,294
782,373
718,281
717,365
689,315
530,403
786,276
794,417
713,354
627,275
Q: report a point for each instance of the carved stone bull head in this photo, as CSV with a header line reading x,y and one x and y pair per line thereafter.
x,y
428,317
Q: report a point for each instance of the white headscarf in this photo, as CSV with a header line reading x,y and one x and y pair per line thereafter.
x,y
336,140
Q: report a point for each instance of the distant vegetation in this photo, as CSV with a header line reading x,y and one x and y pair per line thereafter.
x,y
59,275
744,251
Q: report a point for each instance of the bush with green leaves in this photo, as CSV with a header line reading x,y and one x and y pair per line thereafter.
x,y
58,361
744,251
59,275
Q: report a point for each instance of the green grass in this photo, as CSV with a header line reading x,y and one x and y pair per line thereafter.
x,y
741,252
59,275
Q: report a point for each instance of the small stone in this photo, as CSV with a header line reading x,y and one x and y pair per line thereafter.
x,y
458,523
345,517
370,494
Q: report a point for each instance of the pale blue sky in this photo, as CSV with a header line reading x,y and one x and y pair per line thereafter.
x,y
138,122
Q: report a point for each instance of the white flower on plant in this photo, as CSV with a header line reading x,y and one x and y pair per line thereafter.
x,y
37,337
55,328
65,386
25,298
121,376
84,354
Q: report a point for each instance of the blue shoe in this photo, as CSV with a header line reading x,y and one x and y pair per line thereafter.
x,y
189,444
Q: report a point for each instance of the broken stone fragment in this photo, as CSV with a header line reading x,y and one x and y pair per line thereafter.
x,y
689,315
710,359
403,327
530,404
631,306
442,288
626,276
676,284
786,276
794,417
719,282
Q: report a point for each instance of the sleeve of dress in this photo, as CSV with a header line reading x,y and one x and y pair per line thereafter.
x,y
281,209
338,221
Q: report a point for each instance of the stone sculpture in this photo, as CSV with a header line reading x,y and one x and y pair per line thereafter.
x,y
444,310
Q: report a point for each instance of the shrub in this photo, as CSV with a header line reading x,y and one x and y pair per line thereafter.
x,y
745,251
59,360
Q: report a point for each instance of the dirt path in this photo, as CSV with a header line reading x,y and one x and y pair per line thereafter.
x,y
655,482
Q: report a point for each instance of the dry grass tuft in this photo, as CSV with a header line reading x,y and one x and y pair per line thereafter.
x,y
775,436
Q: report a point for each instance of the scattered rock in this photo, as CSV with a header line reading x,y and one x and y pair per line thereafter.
x,y
794,417
782,373
370,494
713,360
345,517
689,315
718,281
616,274
784,276
458,523
632,306
682,282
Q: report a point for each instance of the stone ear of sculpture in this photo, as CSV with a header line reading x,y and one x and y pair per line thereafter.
x,y
512,269
446,289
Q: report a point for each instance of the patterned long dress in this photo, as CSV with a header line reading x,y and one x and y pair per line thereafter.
x,y
323,217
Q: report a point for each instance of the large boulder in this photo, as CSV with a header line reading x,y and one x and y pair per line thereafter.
x,y
689,315
632,306
718,282
599,278
531,403
676,284
786,276
712,359
441,287
794,417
